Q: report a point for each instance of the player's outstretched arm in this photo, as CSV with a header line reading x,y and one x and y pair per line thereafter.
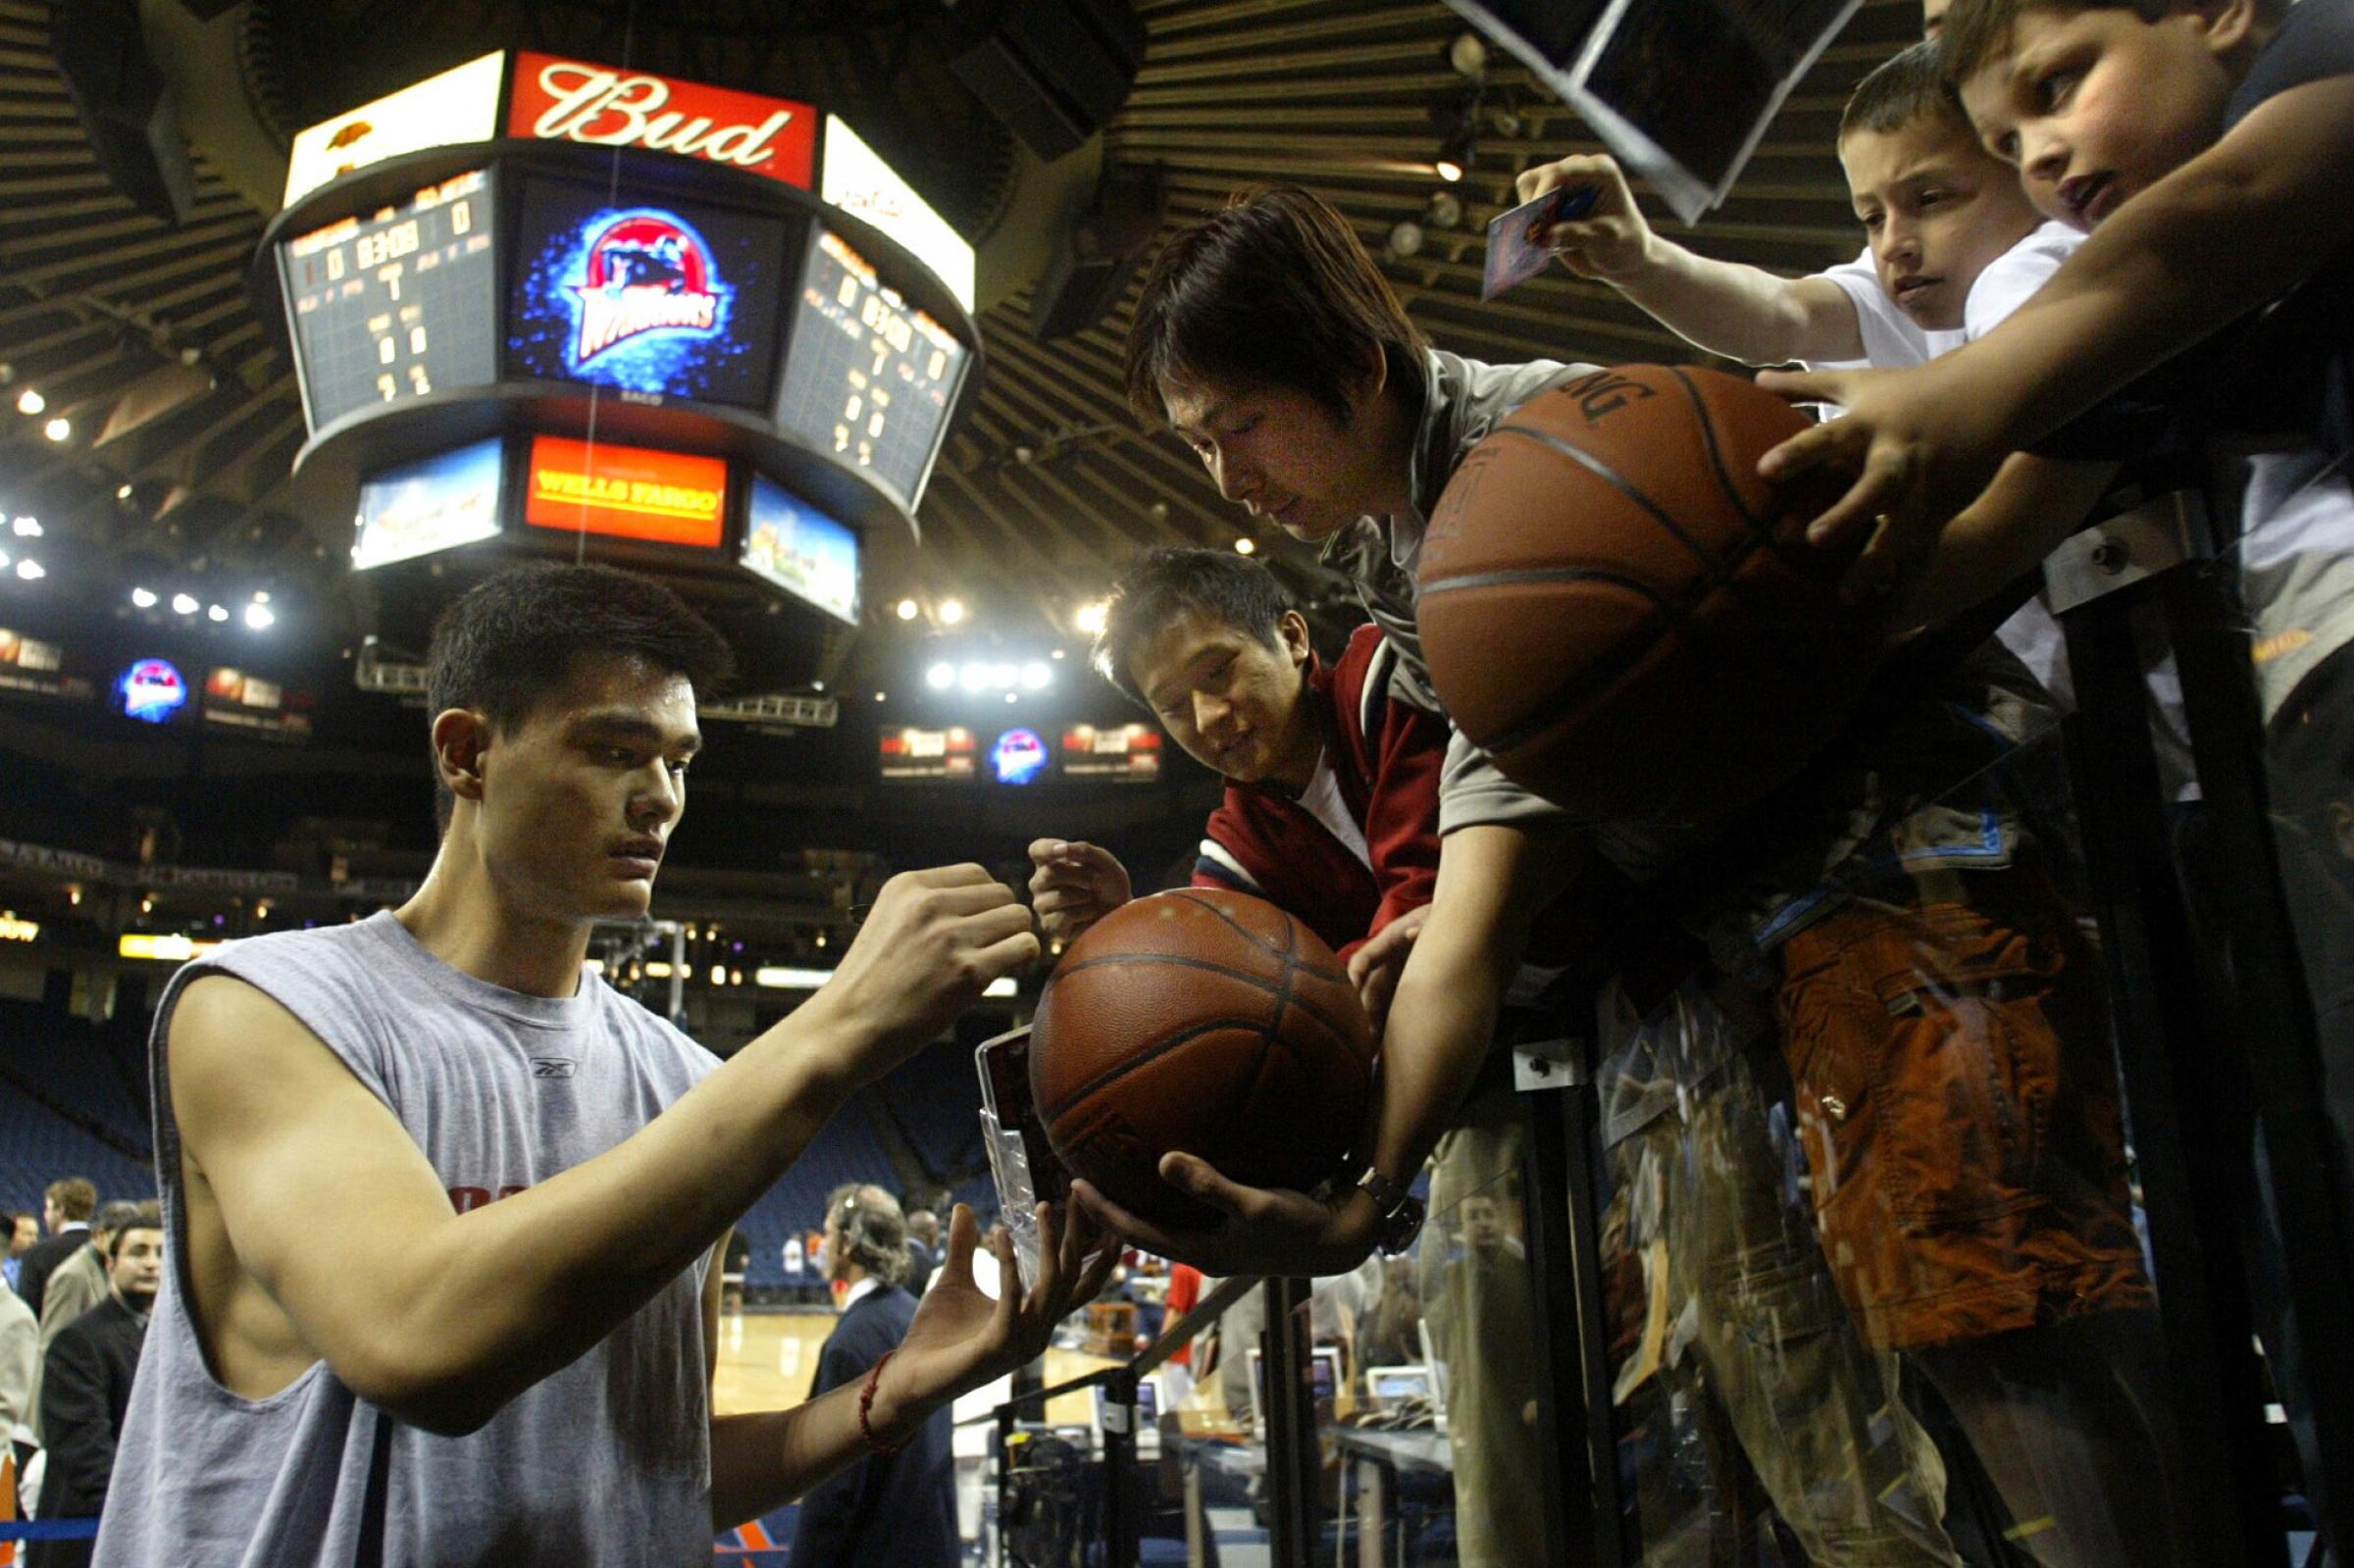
x,y
1073,886
441,1318
2234,228
1741,312
959,1341
1492,880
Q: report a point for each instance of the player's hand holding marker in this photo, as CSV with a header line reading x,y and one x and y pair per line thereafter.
x,y
1921,444
932,941
961,1339
1610,241
1074,886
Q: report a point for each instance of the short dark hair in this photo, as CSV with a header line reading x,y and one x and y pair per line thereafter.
x,y
1898,92
1274,287
147,1216
1163,583
112,1217
75,1197
869,1221
1977,32
509,640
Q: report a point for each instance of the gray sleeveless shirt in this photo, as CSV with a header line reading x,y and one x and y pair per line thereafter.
x,y
606,1463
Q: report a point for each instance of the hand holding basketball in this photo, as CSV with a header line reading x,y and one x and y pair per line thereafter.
x,y
1259,1230
960,1339
932,940
1612,241
1074,886
1920,453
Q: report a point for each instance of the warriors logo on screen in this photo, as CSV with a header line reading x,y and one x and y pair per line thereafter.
x,y
647,273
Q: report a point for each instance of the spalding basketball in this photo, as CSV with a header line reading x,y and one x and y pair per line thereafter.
x,y
1208,1022
1623,615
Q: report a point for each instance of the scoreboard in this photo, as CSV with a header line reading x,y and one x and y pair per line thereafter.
x,y
590,342
870,377
395,304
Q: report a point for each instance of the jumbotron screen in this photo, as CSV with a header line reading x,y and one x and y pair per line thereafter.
x,y
662,300
396,304
869,378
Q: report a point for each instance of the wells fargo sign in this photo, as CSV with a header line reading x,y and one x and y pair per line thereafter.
x,y
553,99
628,492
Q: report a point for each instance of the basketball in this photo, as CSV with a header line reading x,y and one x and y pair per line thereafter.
x,y
1623,615
1208,1022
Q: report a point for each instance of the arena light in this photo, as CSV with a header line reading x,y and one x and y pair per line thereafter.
x,y
783,976
940,677
1091,617
1246,545
31,570
13,930
167,947
908,609
184,604
25,527
1036,676
1002,986
60,428
973,676
30,403
144,598
122,492
951,612
259,618
216,613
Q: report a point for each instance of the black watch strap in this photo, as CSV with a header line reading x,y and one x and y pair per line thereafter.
x,y
1401,1211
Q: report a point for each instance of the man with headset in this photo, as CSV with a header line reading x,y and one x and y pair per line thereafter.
x,y
898,1507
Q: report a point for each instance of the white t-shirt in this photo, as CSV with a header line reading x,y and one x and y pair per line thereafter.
x,y
1323,801
1891,339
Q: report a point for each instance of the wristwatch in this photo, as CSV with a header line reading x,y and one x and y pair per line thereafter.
x,y
1401,1212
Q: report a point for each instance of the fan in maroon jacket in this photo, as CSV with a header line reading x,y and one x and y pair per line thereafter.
x,y
1332,782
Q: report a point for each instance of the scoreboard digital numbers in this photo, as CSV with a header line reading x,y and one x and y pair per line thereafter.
x,y
398,304
868,378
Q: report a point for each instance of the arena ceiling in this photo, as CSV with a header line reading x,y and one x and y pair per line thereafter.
x,y
184,412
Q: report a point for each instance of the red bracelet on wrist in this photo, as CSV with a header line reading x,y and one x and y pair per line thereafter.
x,y
866,1404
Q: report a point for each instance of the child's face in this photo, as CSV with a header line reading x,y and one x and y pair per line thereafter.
x,y
1936,208
2095,106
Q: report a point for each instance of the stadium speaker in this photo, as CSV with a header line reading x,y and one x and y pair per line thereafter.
x,y
123,104
1090,267
1053,70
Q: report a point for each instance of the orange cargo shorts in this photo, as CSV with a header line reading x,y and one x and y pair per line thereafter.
x,y
1957,1097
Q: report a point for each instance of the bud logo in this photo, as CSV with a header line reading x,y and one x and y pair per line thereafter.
x,y
577,100
647,273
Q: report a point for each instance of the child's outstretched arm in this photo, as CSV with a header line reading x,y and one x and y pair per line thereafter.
x,y
1740,312
2239,226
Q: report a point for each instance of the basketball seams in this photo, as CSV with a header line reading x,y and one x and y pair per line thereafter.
x,y
1609,476
1707,418
1052,1113
1195,897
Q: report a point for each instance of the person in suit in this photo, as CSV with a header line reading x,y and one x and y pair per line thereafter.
x,y
896,1505
923,1250
85,1386
80,1283
67,1207
74,1287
